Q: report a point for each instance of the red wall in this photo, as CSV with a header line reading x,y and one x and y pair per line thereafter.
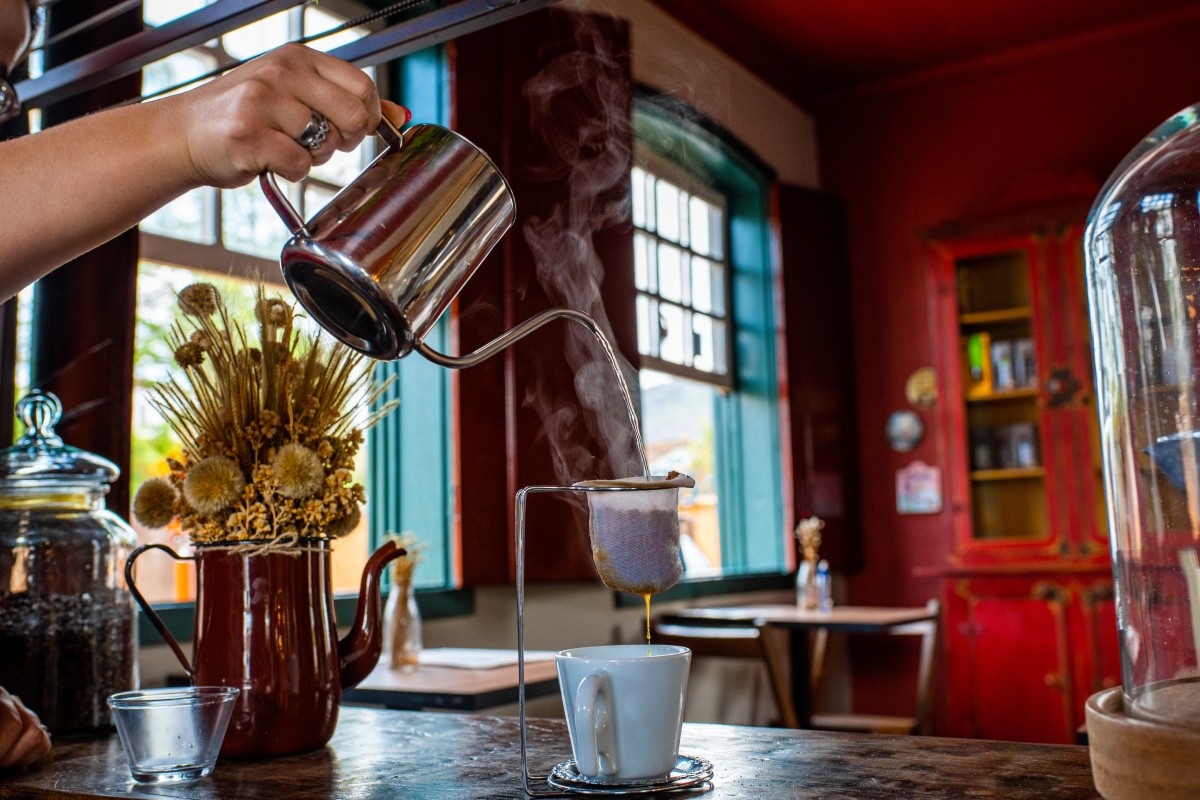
x,y
907,156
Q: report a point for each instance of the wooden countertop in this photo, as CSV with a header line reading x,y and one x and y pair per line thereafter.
x,y
377,754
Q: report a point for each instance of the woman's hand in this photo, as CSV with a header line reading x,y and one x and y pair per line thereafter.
x,y
23,739
247,121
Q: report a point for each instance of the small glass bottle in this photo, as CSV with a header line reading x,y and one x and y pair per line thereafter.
x,y
67,633
806,585
824,587
402,622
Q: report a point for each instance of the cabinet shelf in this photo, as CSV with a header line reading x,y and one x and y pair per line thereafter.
x,y
1002,396
1013,474
994,316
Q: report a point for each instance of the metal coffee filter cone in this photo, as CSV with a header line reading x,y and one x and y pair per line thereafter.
x,y
635,532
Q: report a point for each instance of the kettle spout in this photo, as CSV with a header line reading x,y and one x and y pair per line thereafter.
x,y
359,649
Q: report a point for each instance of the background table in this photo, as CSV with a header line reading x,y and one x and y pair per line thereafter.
x,y
379,755
845,619
861,619
452,688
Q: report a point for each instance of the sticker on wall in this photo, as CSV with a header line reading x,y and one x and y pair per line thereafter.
x,y
904,430
921,387
919,489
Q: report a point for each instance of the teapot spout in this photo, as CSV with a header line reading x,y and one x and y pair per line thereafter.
x,y
359,649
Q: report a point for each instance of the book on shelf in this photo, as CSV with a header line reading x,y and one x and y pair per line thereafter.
x,y
1003,377
1012,446
1024,364
978,362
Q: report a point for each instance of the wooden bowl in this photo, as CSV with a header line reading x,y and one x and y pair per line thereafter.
x,y
1135,759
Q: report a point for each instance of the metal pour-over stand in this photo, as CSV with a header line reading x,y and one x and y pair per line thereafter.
x,y
690,774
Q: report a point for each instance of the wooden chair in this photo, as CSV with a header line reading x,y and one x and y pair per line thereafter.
x,y
712,638
918,723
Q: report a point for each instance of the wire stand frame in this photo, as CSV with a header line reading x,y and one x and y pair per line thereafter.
x,y
539,785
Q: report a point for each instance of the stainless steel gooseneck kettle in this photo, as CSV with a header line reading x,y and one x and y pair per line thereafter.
x,y
384,259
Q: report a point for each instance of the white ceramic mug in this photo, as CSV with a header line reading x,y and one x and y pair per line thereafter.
x,y
624,708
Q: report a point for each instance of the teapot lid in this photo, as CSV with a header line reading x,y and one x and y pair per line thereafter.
x,y
39,459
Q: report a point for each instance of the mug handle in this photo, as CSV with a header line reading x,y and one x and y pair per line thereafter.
x,y
284,208
594,726
147,609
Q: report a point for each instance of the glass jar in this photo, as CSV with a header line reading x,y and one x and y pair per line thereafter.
x,y
67,633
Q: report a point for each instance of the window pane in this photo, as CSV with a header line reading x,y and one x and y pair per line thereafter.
x,y
678,423
642,251
701,274
685,278
670,279
23,368
258,37
249,224
720,344
191,217
684,233
716,233
717,289
666,201
671,334
702,343
698,213
174,70
646,328
651,212
317,20
315,198
637,196
344,167
160,12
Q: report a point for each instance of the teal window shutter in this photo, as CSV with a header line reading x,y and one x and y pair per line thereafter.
x,y
411,479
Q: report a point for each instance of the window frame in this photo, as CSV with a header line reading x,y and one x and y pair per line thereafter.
x,y
748,418
659,165
423,80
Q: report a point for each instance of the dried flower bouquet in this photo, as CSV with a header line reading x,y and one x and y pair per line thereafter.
x,y
268,428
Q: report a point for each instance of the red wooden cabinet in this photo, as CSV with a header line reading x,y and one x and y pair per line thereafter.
x,y
1030,630
1025,650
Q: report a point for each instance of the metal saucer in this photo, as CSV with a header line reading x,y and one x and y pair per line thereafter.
x,y
690,772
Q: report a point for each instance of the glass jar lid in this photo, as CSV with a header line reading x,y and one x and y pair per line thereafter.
x,y
39,459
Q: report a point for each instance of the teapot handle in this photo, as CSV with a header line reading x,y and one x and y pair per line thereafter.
x,y
284,208
147,609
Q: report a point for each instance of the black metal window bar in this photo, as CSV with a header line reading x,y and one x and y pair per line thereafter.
x,y
125,57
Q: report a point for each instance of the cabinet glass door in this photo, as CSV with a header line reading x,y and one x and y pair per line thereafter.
x,y
1000,395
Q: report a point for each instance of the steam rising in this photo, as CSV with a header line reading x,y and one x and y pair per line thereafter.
x,y
588,85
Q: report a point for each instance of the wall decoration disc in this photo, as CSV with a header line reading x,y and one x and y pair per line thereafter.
x,y
904,430
921,387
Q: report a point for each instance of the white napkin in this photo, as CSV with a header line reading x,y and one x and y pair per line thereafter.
x,y
477,658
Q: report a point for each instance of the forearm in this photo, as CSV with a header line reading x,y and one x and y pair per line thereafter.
x,y
67,189
72,187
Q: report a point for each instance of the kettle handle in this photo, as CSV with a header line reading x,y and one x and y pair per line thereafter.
x,y
147,609
284,208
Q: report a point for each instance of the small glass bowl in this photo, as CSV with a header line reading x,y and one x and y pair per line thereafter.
x,y
172,735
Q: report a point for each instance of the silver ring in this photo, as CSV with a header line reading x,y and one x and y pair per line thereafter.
x,y
314,133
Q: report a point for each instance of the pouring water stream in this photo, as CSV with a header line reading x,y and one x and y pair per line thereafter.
x,y
527,327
